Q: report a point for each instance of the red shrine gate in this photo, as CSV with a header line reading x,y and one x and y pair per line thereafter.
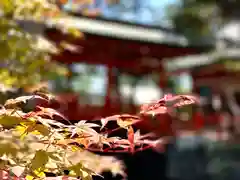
x,y
119,53
216,79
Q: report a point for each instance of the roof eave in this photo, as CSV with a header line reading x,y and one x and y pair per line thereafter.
x,y
118,30
192,61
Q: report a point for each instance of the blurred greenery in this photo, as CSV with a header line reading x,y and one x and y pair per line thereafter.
x,y
192,19
199,20
25,57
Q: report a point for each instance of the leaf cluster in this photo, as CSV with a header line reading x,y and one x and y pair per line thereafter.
x,y
33,142
25,53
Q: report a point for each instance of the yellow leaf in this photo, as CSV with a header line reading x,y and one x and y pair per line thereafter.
x,y
22,131
75,148
124,123
23,135
40,173
28,177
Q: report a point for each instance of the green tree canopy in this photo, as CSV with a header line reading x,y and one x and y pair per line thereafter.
x,y
199,20
194,19
25,57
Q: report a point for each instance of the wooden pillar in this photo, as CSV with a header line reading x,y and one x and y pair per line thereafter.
x,y
109,86
163,79
195,89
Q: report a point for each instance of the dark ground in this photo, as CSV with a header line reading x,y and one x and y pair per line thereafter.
x,y
145,165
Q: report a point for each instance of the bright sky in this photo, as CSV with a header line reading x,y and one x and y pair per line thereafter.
x,y
162,3
144,15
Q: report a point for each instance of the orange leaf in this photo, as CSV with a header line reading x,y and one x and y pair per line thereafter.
x,y
131,139
130,119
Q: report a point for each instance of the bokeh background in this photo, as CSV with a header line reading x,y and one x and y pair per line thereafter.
x,y
123,53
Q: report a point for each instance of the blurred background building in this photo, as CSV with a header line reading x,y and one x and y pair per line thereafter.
x,y
134,51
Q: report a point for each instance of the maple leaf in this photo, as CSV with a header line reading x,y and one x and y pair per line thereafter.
x,y
130,119
39,160
183,100
49,112
34,128
136,139
42,129
125,124
166,104
82,127
83,123
12,112
13,103
180,100
111,142
50,97
153,109
99,140
50,122
10,121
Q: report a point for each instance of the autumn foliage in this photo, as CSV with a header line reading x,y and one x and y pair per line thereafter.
x,y
33,142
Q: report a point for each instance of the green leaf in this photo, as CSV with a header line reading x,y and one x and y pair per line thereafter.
x,y
9,121
54,156
42,129
80,170
40,160
8,149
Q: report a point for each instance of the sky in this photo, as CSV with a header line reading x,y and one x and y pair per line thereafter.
x,y
143,17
